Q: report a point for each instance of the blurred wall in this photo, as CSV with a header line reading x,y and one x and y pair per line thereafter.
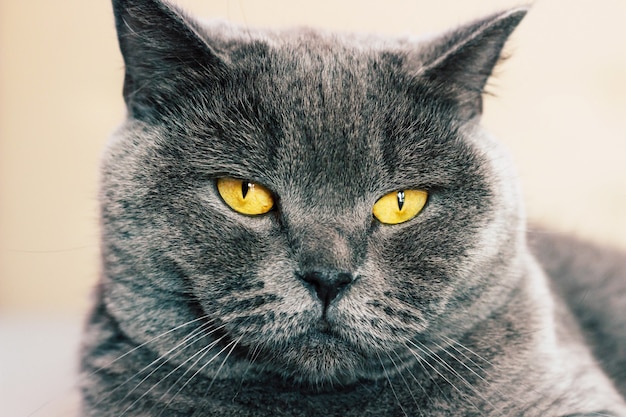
x,y
560,106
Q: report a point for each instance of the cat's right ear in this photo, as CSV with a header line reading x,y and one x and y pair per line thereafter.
x,y
164,55
457,64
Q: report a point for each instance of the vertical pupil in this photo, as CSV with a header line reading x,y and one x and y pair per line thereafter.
x,y
400,200
245,186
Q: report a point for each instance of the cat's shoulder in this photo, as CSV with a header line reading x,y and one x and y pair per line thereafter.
x,y
576,264
590,278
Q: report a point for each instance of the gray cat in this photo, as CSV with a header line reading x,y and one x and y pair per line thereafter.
x,y
301,223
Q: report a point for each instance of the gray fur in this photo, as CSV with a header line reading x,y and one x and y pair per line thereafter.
x,y
202,311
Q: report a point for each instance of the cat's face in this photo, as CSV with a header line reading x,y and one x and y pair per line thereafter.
x,y
317,288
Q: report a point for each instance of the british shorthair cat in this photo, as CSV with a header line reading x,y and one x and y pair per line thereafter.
x,y
304,223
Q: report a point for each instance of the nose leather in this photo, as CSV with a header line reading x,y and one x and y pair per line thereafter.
x,y
328,285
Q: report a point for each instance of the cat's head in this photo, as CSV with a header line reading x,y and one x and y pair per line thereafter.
x,y
324,200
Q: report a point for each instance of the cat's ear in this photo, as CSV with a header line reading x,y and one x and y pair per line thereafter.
x,y
458,63
164,54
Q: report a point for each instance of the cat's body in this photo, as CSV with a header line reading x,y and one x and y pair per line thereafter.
x,y
318,307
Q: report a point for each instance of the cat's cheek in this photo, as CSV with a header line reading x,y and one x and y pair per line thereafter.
x,y
292,308
359,321
379,301
408,277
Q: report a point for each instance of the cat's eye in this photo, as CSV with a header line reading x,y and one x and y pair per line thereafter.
x,y
245,197
399,206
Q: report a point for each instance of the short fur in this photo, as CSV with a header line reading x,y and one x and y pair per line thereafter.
x,y
203,311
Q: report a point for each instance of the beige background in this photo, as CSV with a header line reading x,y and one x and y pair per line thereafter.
x,y
560,107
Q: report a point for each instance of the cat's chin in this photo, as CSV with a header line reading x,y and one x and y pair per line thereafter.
x,y
319,360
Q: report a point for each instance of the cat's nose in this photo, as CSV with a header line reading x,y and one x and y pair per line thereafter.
x,y
327,284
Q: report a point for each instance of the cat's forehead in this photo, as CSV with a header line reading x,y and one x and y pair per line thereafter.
x,y
226,36
312,57
343,113
323,114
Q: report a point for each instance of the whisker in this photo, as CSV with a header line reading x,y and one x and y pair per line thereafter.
x,y
191,335
444,349
406,382
156,384
416,379
438,358
82,377
464,395
390,384
144,344
420,361
451,341
219,369
205,365
256,352
203,352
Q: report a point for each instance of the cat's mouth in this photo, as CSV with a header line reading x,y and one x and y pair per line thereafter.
x,y
325,328
322,335
319,357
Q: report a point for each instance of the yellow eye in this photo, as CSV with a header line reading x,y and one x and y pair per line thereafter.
x,y
399,206
245,197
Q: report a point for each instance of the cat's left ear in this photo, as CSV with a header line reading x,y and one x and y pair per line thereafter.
x,y
458,63
164,54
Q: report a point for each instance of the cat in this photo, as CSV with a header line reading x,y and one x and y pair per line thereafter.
x,y
303,223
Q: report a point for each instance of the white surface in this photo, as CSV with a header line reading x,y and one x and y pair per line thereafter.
x,y
38,362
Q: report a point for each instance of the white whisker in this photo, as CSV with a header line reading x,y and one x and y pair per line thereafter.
x,y
443,348
256,351
439,359
234,344
156,384
390,384
144,344
193,335
455,342
464,395
203,366
203,352
406,383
